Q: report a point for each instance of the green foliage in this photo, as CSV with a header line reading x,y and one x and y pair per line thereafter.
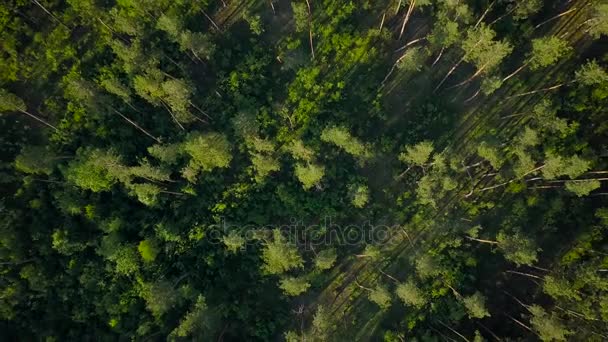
x,y
381,296
35,160
207,151
148,249
525,9
418,154
300,16
556,166
279,255
341,137
548,326
482,50
309,175
325,259
598,24
95,170
234,242
491,154
196,322
476,305
583,188
10,102
410,294
547,50
591,73
517,247
412,59
359,195
294,286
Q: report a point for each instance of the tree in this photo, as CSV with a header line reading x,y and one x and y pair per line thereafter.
x,y
548,327
146,193
583,187
427,266
558,287
598,24
476,305
148,249
412,60
233,241
207,151
294,286
321,321
325,259
546,51
591,74
417,155
483,51
341,137
35,160
517,248
300,16
280,256
12,103
491,154
299,151
160,297
411,295
309,174
96,170
359,195
197,323
557,166
381,296
525,9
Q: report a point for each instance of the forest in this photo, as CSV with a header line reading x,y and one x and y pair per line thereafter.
x,y
304,170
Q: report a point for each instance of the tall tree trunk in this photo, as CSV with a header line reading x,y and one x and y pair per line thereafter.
x,y
484,14
484,241
137,126
522,67
312,47
38,119
555,17
407,17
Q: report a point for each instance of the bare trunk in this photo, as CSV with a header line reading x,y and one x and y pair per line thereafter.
x,y
172,116
38,119
454,331
272,6
477,73
211,20
382,22
555,17
438,57
199,110
518,322
137,126
407,17
515,72
410,43
363,287
484,14
525,274
503,16
312,47
540,90
474,96
484,241
390,276
50,14
448,74
398,7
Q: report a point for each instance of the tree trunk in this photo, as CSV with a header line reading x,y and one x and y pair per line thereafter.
x,y
137,126
555,17
525,274
522,67
438,56
38,119
211,20
312,47
484,14
484,241
50,14
454,331
407,17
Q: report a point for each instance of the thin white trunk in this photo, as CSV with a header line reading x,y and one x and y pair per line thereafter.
x,y
407,17
38,119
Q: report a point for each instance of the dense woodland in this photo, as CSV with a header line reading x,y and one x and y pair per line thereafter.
x,y
153,153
